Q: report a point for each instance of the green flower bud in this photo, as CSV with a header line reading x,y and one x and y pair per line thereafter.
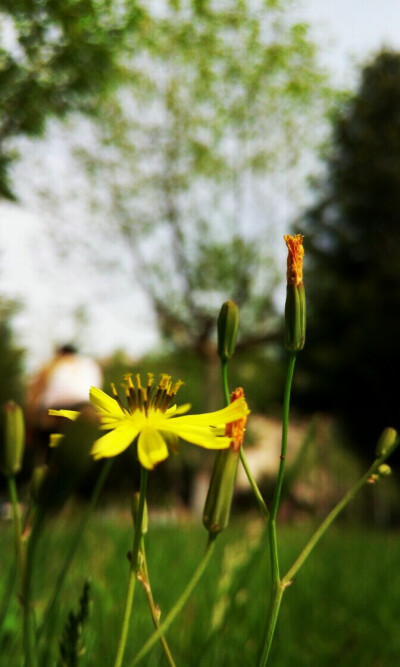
x,y
295,318
227,326
295,307
217,508
384,470
386,441
135,509
12,449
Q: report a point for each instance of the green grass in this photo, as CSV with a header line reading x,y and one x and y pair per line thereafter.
x,y
342,609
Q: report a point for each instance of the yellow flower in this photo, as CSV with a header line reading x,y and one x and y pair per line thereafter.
x,y
147,414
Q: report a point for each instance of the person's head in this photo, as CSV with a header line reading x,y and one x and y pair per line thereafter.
x,y
67,348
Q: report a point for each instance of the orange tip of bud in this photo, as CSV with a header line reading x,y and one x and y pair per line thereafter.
x,y
295,258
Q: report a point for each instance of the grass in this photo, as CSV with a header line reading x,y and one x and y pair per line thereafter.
x,y
341,609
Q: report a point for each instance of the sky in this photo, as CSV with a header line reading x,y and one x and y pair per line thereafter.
x,y
348,33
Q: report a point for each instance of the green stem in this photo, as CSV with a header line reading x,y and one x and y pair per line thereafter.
x,y
9,587
133,570
287,579
49,613
285,429
225,384
179,604
281,586
277,590
19,544
153,608
28,616
252,481
260,500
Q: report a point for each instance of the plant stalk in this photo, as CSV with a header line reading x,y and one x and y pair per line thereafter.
x,y
134,568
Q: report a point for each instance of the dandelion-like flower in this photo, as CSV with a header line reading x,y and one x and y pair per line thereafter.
x,y
147,414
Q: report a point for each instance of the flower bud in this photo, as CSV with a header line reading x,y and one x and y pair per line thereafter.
x,y
12,447
384,470
227,326
295,306
386,441
222,484
135,510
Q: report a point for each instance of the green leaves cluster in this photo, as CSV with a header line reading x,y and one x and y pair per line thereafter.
x,y
55,57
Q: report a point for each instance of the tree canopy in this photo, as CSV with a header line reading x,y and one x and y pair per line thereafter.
x,y
353,248
55,57
217,99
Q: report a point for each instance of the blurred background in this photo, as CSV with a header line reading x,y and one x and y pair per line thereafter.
x,y
152,156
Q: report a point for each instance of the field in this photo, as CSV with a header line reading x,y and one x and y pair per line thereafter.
x,y
342,608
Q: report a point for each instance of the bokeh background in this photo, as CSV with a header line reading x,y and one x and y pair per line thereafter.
x,y
152,156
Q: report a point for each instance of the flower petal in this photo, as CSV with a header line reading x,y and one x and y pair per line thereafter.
x,y
151,448
178,410
68,414
55,439
115,441
203,436
105,405
236,410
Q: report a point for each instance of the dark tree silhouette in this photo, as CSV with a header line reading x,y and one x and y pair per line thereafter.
x,y
353,249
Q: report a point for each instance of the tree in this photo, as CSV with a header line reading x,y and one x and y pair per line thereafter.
x,y
218,99
55,57
353,248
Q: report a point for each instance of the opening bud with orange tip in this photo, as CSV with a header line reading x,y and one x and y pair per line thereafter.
x,y
218,503
295,307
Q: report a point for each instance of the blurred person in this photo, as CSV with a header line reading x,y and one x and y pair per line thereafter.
x,y
63,383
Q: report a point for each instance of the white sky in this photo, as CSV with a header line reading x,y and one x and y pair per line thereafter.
x,y
348,32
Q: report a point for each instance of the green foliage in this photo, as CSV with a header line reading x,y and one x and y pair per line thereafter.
x,y
353,258
351,614
55,57
216,99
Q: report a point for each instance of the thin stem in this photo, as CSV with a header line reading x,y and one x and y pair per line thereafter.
x,y
252,481
28,618
19,545
134,568
179,604
285,429
286,580
9,587
277,590
225,384
49,613
154,611
260,500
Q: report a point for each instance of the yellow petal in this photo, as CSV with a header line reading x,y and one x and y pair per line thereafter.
x,y
203,436
68,414
55,439
105,405
177,410
151,448
236,410
115,441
